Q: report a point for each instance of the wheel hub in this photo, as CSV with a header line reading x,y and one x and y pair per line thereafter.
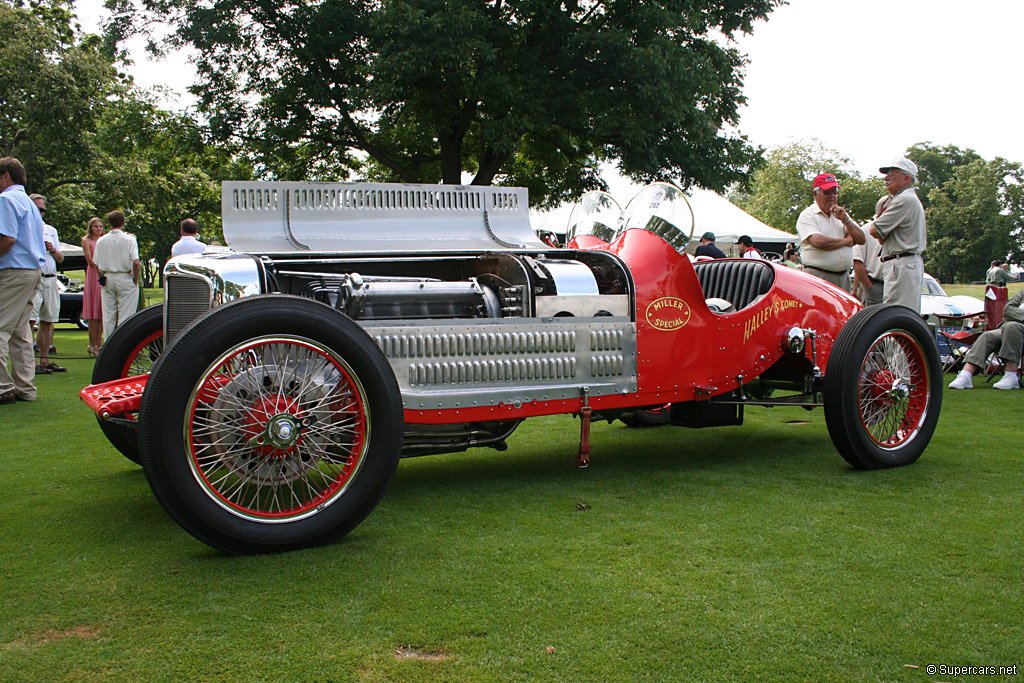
x,y
274,427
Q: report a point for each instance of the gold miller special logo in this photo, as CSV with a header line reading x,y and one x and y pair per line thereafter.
x,y
668,313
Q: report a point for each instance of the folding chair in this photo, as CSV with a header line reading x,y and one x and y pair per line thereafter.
x,y
954,340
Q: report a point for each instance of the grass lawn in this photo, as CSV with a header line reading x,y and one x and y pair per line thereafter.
x,y
748,553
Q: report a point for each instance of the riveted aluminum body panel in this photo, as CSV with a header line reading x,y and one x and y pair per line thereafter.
x,y
290,217
490,362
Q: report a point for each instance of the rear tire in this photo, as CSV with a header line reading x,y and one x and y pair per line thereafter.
x,y
272,423
883,388
130,351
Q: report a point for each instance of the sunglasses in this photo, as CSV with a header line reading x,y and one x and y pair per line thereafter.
x,y
834,190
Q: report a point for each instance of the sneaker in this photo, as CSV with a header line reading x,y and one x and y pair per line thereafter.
x,y
43,370
964,380
1009,381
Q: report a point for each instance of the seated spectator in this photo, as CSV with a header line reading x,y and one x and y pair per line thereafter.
x,y
1006,341
995,292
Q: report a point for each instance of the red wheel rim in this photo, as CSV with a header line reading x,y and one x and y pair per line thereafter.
x,y
277,429
142,357
894,389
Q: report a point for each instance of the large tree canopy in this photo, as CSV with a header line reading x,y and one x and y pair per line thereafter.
x,y
92,141
529,92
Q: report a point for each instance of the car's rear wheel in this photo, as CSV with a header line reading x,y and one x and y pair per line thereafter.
x,y
272,423
130,351
883,388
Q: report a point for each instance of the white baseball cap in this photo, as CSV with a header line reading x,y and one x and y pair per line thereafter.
x,y
903,164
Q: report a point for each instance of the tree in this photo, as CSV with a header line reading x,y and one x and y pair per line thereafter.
x,y
92,141
977,215
528,92
780,188
936,165
49,86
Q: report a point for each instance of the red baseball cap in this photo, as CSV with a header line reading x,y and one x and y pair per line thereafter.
x,y
826,181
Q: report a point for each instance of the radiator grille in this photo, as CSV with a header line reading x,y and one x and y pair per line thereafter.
x,y
187,299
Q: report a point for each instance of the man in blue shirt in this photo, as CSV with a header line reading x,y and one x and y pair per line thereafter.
x,y
21,258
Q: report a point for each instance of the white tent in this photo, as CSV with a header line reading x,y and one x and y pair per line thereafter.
x,y
711,213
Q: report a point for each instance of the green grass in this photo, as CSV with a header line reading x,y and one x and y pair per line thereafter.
x,y
748,553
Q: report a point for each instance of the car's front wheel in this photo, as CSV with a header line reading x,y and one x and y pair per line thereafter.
x,y
883,388
272,423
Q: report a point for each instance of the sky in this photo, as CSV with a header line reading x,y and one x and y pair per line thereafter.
x,y
868,78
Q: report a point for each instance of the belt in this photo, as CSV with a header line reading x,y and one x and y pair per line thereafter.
x,y
834,272
49,275
890,257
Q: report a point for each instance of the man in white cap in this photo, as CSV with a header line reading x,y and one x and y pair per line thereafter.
x,y
901,230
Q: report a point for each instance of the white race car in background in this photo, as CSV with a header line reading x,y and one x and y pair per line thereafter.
x,y
935,303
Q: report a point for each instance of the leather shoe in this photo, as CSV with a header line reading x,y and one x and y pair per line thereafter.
x,y
53,367
8,397
43,370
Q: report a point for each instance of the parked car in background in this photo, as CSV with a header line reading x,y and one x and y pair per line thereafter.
x,y
937,305
71,301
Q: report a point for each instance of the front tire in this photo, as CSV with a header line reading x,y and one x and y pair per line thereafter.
x,y
131,351
883,388
273,423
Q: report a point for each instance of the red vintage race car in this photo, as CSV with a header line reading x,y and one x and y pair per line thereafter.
x,y
349,325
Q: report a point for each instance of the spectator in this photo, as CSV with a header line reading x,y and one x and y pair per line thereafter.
x,y
46,305
827,234
747,249
21,259
92,298
901,230
1006,341
791,259
117,261
707,247
868,274
995,293
188,244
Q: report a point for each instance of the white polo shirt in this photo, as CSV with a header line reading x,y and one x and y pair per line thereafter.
x,y
188,244
814,221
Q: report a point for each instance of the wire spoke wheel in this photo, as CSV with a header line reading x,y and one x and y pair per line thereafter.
x,y
883,388
131,351
276,429
271,423
893,389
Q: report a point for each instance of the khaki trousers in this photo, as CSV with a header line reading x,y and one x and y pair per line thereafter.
x,y
903,279
120,300
18,287
1006,341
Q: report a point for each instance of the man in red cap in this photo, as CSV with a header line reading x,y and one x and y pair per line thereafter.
x,y
827,234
